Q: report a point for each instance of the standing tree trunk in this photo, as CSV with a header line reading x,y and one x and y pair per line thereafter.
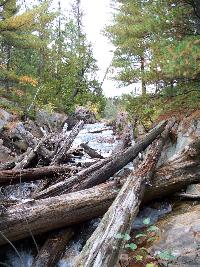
x,y
142,72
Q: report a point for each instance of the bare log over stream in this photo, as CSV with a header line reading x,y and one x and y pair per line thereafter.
x,y
8,177
91,152
122,160
32,142
103,248
44,215
100,175
65,144
53,248
67,185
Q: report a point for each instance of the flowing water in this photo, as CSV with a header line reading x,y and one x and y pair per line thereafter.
x,y
101,138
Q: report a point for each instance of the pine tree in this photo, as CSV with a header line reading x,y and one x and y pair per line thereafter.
x,y
71,74
157,42
18,36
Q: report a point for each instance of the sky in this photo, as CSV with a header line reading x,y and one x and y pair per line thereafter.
x,y
98,14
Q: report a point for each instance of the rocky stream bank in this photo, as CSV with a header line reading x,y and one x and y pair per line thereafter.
x,y
59,176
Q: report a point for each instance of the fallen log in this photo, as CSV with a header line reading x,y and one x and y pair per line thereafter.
x,y
101,174
11,164
103,248
53,248
8,177
120,161
67,185
61,151
26,161
32,141
91,152
45,215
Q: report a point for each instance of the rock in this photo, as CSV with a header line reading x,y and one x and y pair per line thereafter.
x,y
5,153
193,189
5,117
33,128
186,134
81,113
50,121
180,239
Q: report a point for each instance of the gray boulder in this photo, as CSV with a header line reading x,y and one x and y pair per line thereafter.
x,y
50,121
5,117
180,239
81,113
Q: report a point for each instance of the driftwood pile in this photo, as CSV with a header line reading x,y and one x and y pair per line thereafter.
x,y
69,195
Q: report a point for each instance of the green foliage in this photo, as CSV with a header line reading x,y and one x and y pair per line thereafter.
x,y
146,109
153,228
166,255
132,246
147,221
156,41
150,265
47,61
140,235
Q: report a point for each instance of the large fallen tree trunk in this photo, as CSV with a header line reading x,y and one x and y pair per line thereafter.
x,y
48,214
119,162
100,175
53,248
66,185
8,177
103,248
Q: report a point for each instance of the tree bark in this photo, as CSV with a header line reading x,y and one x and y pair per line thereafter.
x,y
91,152
102,173
120,161
8,177
32,142
64,146
67,185
45,215
103,248
53,248
11,164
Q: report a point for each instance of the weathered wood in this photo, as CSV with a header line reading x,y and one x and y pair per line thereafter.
x,y
8,177
102,173
11,164
91,152
53,248
60,152
32,141
67,185
121,160
103,248
26,161
62,211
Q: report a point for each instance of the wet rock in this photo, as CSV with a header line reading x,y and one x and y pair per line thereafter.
x,y
153,212
193,189
180,239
